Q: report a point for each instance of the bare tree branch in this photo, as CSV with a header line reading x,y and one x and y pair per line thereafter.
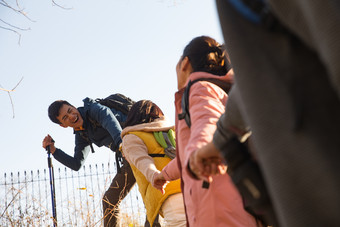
x,y
12,30
9,93
22,29
13,89
17,84
18,10
17,2
10,98
63,7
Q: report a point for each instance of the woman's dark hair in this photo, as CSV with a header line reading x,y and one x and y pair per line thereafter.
x,y
207,55
143,111
54,108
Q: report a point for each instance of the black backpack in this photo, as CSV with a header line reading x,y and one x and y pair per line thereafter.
x,y
185,98
117,101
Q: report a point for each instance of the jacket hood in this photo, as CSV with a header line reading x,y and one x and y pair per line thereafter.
x,y
160,124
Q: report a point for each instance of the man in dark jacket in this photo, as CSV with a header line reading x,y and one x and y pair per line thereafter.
x,y
98,124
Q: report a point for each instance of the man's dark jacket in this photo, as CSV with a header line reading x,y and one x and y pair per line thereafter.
x,y
102,126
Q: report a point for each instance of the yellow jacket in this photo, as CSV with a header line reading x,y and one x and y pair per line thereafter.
x,y
137,145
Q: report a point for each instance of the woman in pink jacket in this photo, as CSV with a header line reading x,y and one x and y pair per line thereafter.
x,y
218,203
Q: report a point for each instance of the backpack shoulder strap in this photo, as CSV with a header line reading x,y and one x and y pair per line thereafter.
x,y
185,98
85,136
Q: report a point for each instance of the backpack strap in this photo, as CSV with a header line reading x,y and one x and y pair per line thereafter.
x,y
157,155
85,136
185,98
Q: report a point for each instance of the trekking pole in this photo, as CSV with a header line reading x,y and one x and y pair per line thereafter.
x,y
50,167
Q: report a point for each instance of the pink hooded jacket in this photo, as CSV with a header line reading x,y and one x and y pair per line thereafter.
x,y
220,204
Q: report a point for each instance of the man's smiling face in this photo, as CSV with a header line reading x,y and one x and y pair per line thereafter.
x,y
69,116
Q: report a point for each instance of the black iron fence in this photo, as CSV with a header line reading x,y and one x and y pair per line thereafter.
x,y
25,198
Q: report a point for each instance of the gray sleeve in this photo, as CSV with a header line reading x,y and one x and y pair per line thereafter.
x,y
232,118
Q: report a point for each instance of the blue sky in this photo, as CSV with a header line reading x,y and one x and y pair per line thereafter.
x,y
91,50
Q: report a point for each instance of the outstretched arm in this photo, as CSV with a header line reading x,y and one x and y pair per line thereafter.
x,y
80,152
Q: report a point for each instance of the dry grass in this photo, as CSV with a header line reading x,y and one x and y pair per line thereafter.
x,y
27,202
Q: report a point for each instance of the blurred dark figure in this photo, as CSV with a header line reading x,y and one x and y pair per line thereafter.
x,y
286,55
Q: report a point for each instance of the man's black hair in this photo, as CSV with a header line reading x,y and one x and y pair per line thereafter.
x,y
54,109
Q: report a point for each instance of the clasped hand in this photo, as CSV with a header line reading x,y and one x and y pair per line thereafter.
x,y
206,162
159,182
